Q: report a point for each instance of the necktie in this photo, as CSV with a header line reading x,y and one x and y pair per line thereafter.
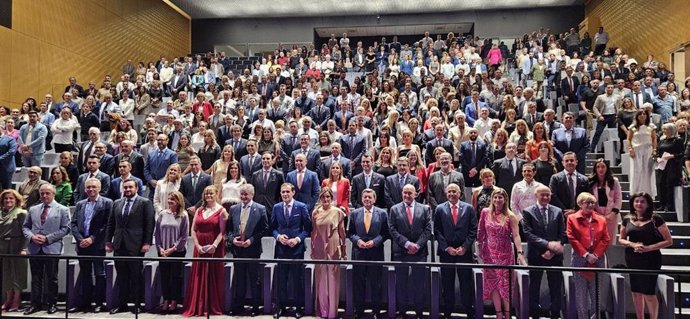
x,y
293,141
571,187
401,181
265,179
474,152
409,213
91,175
243,219
544,217
570,81
367,180
352,144
88,152
251,161
128,207
287,211
299,179
637,100
367,220
455,214
44,214
195,178
235,145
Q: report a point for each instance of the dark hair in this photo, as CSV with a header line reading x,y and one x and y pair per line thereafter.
x,y
647,214
608,177
638,124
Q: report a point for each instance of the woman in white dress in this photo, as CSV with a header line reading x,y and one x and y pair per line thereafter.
x,y
231,190
165,186
642,141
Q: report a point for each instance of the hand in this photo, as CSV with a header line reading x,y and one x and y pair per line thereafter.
x,y
641,248
352,165
162,252
412,249
283,239
473,172
592,259
38,239
191,211
631,152
547,255
568,212
461,251
86,242
145,248
600,118
667,156
23,252
247,243
451,251
200,249
292,242
211,249
555,247
108,248
237,242
153,183
361,244
521,260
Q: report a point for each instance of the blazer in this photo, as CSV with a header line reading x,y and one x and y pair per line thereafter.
x,y
646,98
178,82
99,220
38,137
107,164
246,170
8,149
505,178
114,192
538,117
240,147
80,191
600,104
561,196
81,157
354,147
313,159
393,190
137,161
342,195
358,185
286,148
579,144
269,194
55,228
437,193
256,227
194,196
338,118
320,115
132,232
566,90
539,235
378,233
471,112
157,164
401,231
325,167
432,144
309,192
579,231
298,225
449,234
481,158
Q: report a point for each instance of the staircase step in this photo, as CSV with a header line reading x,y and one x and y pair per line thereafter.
x,y
674,257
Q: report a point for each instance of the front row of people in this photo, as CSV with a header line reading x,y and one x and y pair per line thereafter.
x,y
127,227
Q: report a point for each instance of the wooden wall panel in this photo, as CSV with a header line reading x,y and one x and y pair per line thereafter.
x,y
52,40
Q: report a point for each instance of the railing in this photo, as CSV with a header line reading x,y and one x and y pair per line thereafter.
x,y
670,303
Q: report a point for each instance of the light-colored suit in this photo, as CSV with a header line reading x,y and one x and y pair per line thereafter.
x,y
55,228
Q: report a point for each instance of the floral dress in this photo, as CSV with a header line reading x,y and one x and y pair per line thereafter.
x,y
494,241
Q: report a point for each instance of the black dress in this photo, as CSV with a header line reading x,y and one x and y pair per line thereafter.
x,y
647,234
544,170
385,170
671,175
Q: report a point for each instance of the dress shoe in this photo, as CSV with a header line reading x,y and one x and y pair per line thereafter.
x,y
115,310
98,308
31,310
298,314
52,309
255,312
278,314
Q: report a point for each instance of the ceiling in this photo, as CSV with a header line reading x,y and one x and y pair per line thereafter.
x,y
457,28
213,9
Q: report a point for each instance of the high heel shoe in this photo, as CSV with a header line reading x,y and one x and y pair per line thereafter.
x,y
16,301
8,300
164,306
173,306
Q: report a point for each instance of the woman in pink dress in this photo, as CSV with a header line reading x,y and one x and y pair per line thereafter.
x,y
206,283
498,228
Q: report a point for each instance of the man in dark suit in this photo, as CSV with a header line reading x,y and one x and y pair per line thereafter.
x,y
192,186
354,146
570,139
395,182
267,182
124,169
474,155
320,114
290,224
135,159
508,170
178,82
223,133
336,156
289,143
158,162
88,148
107,161
343,117
8,149
93,165
439,140
45,226
569,85
266,89
532,116
239,145
638,96
439,181
567,184
410,228
251,162
130,233
544,227
455,227
248,223
313,157
368,230
306,182
88,228
367,179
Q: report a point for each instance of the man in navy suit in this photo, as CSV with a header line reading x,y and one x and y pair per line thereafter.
x,y
367,179
455,227
474,156
267,182
88,228
368,230
158,162
92,165
223,132
567,184
395,182
107,161
306,182
124,169
192,186
239,145
569,85
570,139
313,157
8,149
544,227
336,156
439,140
409,223
45,226
508,170
248,223
354,147
251,162
290,224
288,143
320,114
473,107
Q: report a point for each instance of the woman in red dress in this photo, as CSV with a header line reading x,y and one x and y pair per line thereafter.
x,y
207,284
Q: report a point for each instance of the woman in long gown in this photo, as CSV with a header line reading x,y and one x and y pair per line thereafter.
x,y
327,243
207,282
14,270
498,229
642,141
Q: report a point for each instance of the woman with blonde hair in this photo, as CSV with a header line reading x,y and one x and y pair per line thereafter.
x,y
406,145
169,183
385,162
520,137
339,186
14,270
219,169
538,135
172,227
418,169
481,196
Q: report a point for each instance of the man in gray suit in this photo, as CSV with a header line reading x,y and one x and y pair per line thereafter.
x,y
93,165
508,170
88,228
130,233
439,181
367,179
45,226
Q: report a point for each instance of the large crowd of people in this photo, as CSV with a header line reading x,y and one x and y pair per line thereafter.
x,y
290,148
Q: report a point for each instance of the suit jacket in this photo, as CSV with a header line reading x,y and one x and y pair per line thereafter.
x,y
471,112
55,228
246,169
80,191
274,114
135,230
578,144
107,164
339,116
401,231
320,116
178,82
505,178
433,144
286,148
8,149
566,90
539,235
269,194
223,133
481,160
256,227
313,160
137,161
358,184
309,192
240,147
325,167
561,196
298,225
194,197
99,220
270,87
449,234
600,104
646,98
82,156
437,192
538,117
378,233
37,144
393,190
353,147
114,191
342,195
580,234
157,164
